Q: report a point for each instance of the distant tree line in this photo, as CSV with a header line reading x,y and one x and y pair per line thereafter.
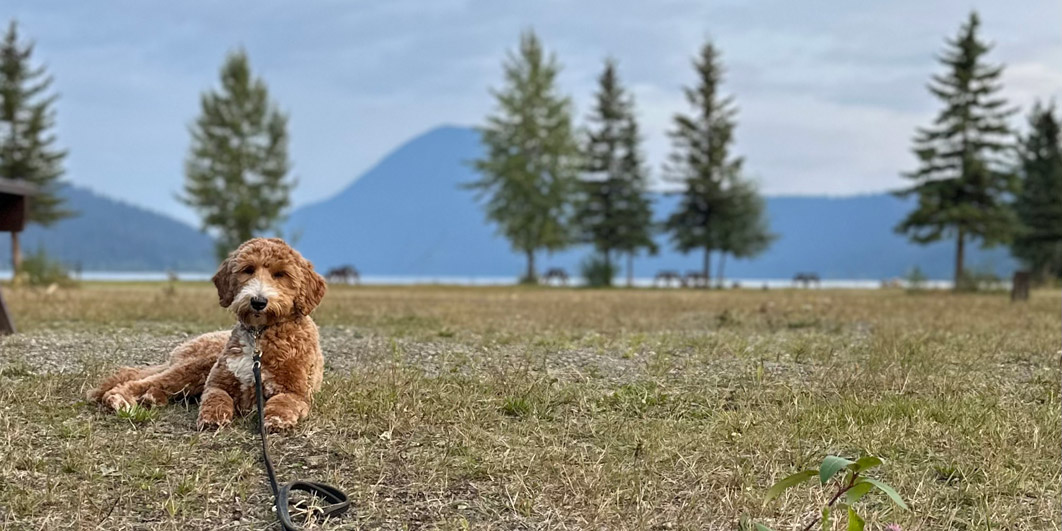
x,y
549,185
28,150
977,179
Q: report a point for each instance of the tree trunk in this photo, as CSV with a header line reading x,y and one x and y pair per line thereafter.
x,y
719,274
530,275
630,270
959,253
16,255
608,268
707,267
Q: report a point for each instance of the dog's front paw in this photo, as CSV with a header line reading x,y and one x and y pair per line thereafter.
x,y
213,418
280,420
154,397
117,400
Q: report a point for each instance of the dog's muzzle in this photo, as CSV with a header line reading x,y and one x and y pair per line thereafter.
x,y
259,303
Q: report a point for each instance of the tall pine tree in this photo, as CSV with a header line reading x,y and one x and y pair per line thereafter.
x,y
532,158
236,173
964,180
613,210
701,160
27,143
1039,206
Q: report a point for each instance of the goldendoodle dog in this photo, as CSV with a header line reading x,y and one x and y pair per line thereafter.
x,y
272,289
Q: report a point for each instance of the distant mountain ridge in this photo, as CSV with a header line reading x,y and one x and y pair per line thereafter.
x,y
111,235
410,215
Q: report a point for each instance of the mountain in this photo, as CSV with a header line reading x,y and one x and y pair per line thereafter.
x,y
114,236
410,215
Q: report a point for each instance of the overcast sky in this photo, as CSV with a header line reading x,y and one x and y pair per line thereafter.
x,y
829,91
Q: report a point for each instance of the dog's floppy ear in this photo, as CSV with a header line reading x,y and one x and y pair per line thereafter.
x,y
225,282
313,289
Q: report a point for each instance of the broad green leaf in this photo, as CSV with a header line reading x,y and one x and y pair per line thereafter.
x,y
866,463
761,527
887,490
857,491
826,518
831,465
794,479
855,522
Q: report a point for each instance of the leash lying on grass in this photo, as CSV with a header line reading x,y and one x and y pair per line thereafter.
x,y
281,493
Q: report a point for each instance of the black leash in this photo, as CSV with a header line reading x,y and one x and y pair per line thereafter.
x,y
281,493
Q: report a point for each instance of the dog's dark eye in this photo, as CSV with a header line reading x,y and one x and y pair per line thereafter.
x,y
280,274
249,270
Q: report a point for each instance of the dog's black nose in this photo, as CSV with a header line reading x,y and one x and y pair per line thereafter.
x,y
258,303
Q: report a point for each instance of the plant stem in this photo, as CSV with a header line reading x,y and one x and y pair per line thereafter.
x,y
844,488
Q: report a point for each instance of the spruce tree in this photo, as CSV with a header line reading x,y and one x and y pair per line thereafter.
x,y
613,211
532,158
701,160
964,180
743,230
1039,206
236,172
27,141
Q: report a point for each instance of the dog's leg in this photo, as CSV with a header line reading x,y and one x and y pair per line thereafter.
x,y
216,409
154,390
125,374
186,371
283,411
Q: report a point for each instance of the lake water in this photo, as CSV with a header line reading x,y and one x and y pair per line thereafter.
x,y
385,280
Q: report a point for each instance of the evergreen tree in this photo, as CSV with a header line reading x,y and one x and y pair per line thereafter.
x,y
236,173
701,160
743,231
1039,206
613,211
964,181
27,143
532,158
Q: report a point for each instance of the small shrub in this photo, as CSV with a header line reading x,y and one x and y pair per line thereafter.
x,y
916,279
38,269
851,485
516,406
597,272
973,280
138,414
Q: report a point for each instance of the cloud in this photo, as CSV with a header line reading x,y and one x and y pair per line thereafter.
x,y
829,90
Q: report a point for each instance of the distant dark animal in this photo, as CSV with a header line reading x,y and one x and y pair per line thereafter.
x,y
665,278
556,273
343,275
695,279
807,279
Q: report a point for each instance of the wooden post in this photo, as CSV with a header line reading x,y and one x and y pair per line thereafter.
x,y
7,326
1019,288
14,211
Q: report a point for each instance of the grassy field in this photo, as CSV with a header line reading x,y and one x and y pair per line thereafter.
x,y
508,408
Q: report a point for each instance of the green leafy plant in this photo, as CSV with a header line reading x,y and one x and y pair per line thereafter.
x,y
597,271
39,269
851,486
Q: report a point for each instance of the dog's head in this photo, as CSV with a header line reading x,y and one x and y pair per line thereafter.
x,y
265,281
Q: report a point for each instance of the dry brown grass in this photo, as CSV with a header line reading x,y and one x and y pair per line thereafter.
x,y
506,408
